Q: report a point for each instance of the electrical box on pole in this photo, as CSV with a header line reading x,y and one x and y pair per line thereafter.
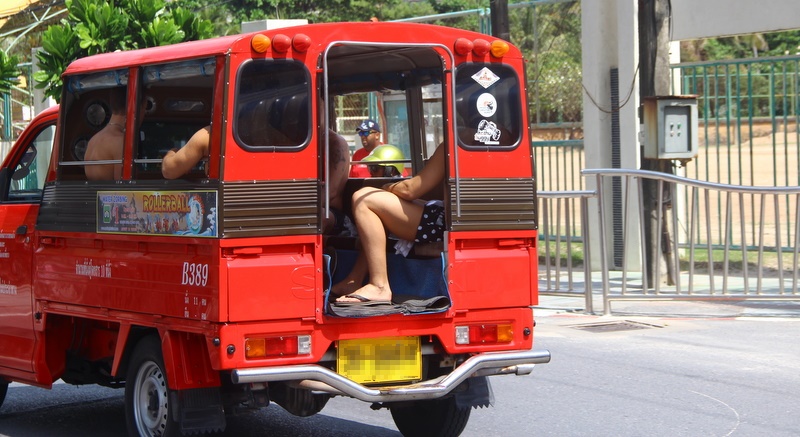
x,y
670,127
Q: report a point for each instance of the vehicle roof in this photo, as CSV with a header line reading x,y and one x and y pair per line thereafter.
x,y
380,31
130,58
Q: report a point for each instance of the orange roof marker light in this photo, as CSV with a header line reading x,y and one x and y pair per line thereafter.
x,y
281,43
482,47
499,48
260,43
301,43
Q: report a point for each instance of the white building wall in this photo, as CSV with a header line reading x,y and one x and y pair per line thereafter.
x,y
693,19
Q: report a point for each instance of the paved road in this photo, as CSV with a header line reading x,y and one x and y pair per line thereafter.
x,y
664,376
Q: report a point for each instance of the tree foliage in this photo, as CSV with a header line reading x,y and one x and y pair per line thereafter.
x,y
549,37
742,46
94,27
231,13
9,72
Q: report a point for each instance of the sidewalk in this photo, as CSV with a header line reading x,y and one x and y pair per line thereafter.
x,y
551,305
727,297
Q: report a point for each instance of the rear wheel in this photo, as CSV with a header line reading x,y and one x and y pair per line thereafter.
x,y
440,417
147,402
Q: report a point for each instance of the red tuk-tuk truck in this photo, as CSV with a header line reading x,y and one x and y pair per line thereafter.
x,y
211,292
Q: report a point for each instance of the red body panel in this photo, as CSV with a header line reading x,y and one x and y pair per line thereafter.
x,y
17,243
123,273
16,323
280,282
491,269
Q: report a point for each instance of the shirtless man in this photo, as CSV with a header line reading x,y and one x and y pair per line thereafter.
x,y
107,144
339,162
394,207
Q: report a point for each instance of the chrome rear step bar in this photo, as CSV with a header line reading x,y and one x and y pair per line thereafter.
x,y
323,379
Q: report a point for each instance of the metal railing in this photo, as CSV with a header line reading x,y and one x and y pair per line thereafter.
x,y
562,253
760,267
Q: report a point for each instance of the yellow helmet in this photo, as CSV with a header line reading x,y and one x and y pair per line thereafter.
x,y
387,152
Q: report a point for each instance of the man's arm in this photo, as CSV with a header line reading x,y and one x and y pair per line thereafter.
x,y
177,163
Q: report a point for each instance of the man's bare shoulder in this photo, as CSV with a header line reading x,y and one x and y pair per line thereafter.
x,y
104,145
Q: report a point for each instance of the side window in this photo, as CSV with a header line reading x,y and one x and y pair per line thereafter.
x,y
272,106
94,121
488,106
179,103
102,154
433,107
28,177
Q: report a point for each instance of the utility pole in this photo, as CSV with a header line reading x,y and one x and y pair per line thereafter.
x,y
499,10
654,80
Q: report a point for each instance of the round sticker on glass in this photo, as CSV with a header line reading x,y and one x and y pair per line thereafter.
x,y
487,105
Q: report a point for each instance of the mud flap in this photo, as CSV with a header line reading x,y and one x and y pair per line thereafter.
x,y
198,410
478,393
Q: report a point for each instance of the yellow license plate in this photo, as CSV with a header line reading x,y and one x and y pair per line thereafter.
x,y
380,360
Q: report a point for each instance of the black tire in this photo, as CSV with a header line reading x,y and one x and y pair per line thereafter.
x,y
147,401
436,418
3,391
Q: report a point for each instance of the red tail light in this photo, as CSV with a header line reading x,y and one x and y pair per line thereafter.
x,y
484,334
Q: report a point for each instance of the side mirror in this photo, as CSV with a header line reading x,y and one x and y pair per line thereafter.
x,y
24,166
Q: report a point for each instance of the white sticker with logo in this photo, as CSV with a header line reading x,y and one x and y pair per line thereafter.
x,y
487,133
485,77
487,105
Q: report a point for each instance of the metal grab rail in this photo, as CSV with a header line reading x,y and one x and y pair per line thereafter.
x,y
545,235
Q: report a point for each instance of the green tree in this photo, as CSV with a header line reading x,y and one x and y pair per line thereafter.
x,y
753,42
9,72
549,37
783,43
99,26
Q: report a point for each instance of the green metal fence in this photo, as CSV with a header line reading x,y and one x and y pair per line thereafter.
x,y
749,113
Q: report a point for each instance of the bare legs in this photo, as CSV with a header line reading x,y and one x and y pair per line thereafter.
x,y
375,212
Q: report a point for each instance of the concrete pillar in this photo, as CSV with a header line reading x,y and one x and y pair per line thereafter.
x,y
610,40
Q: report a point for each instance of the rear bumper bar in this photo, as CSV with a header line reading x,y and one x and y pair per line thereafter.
x,y
322,379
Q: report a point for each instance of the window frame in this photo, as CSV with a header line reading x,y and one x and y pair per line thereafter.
x,y
238,103
516,118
